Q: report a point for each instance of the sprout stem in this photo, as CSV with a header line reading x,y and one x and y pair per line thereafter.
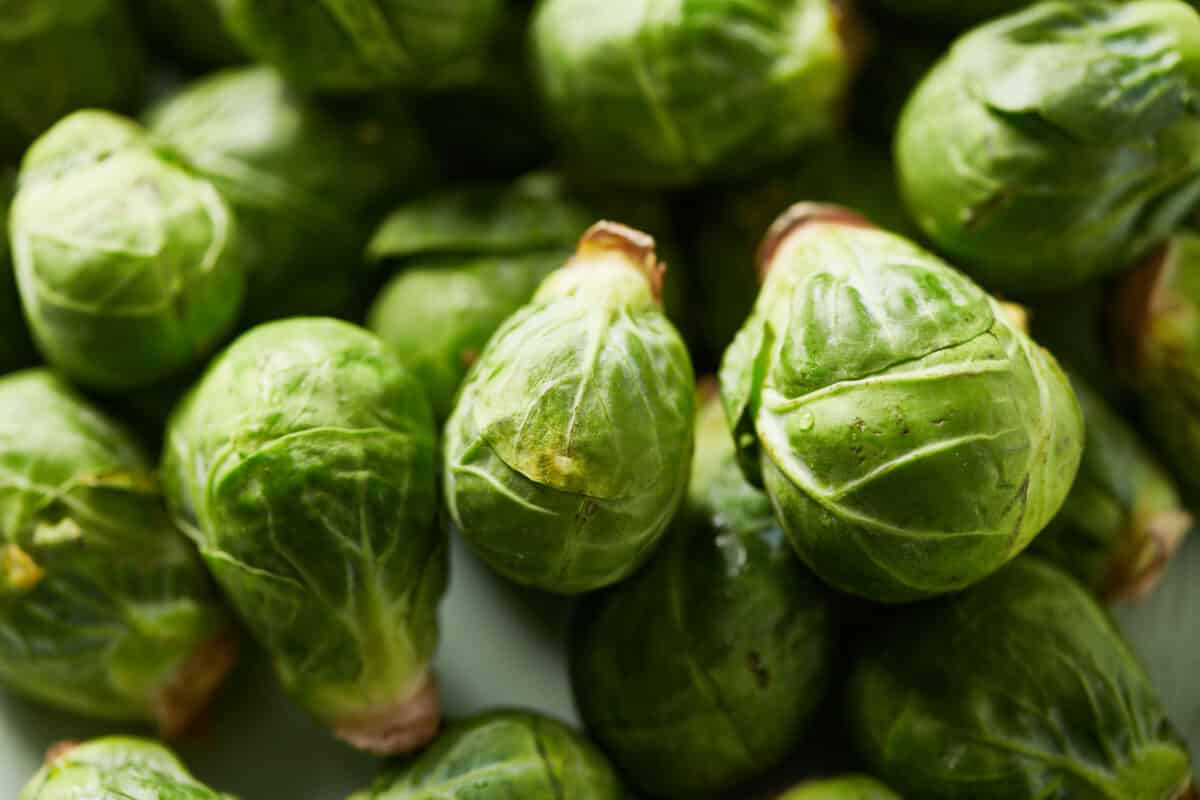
x,y
798,217
606,237
189,691
401,727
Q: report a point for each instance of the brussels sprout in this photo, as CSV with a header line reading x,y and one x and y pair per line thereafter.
x,y
59,56
189,32
706,667
468,259
568,451
16,346
845,171
306,180
127,264
849,787
692,90
350,45
1020,687
115,768
1162,630
1057,144
912,438
105,608
502,755
1156,308
303,465
1123,519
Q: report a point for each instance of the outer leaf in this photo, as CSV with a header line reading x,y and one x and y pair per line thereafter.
x,y
911,438
350,45
127,264
303,465
501,755
305,179
1057,144
58,56
674,92
704,669
105,609
116,768
567,452
1020,687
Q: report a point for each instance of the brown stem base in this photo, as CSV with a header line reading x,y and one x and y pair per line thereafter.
x,y
58,750
1162,534
188,693
398,728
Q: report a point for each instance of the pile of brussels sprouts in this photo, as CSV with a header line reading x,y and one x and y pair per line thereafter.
x,y
295,293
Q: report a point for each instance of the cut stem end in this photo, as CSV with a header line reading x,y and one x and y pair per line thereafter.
x,y
399,728
188,693
799,217
637,247
1162,535
59,751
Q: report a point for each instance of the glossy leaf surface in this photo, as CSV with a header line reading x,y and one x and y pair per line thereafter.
x,y
1020,687
303,466
1057,144
912,438
568,450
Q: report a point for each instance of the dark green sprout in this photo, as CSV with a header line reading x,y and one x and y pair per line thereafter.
x,y
105,607
306,179
1019,687
58,56
354,45
672,95
706,667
